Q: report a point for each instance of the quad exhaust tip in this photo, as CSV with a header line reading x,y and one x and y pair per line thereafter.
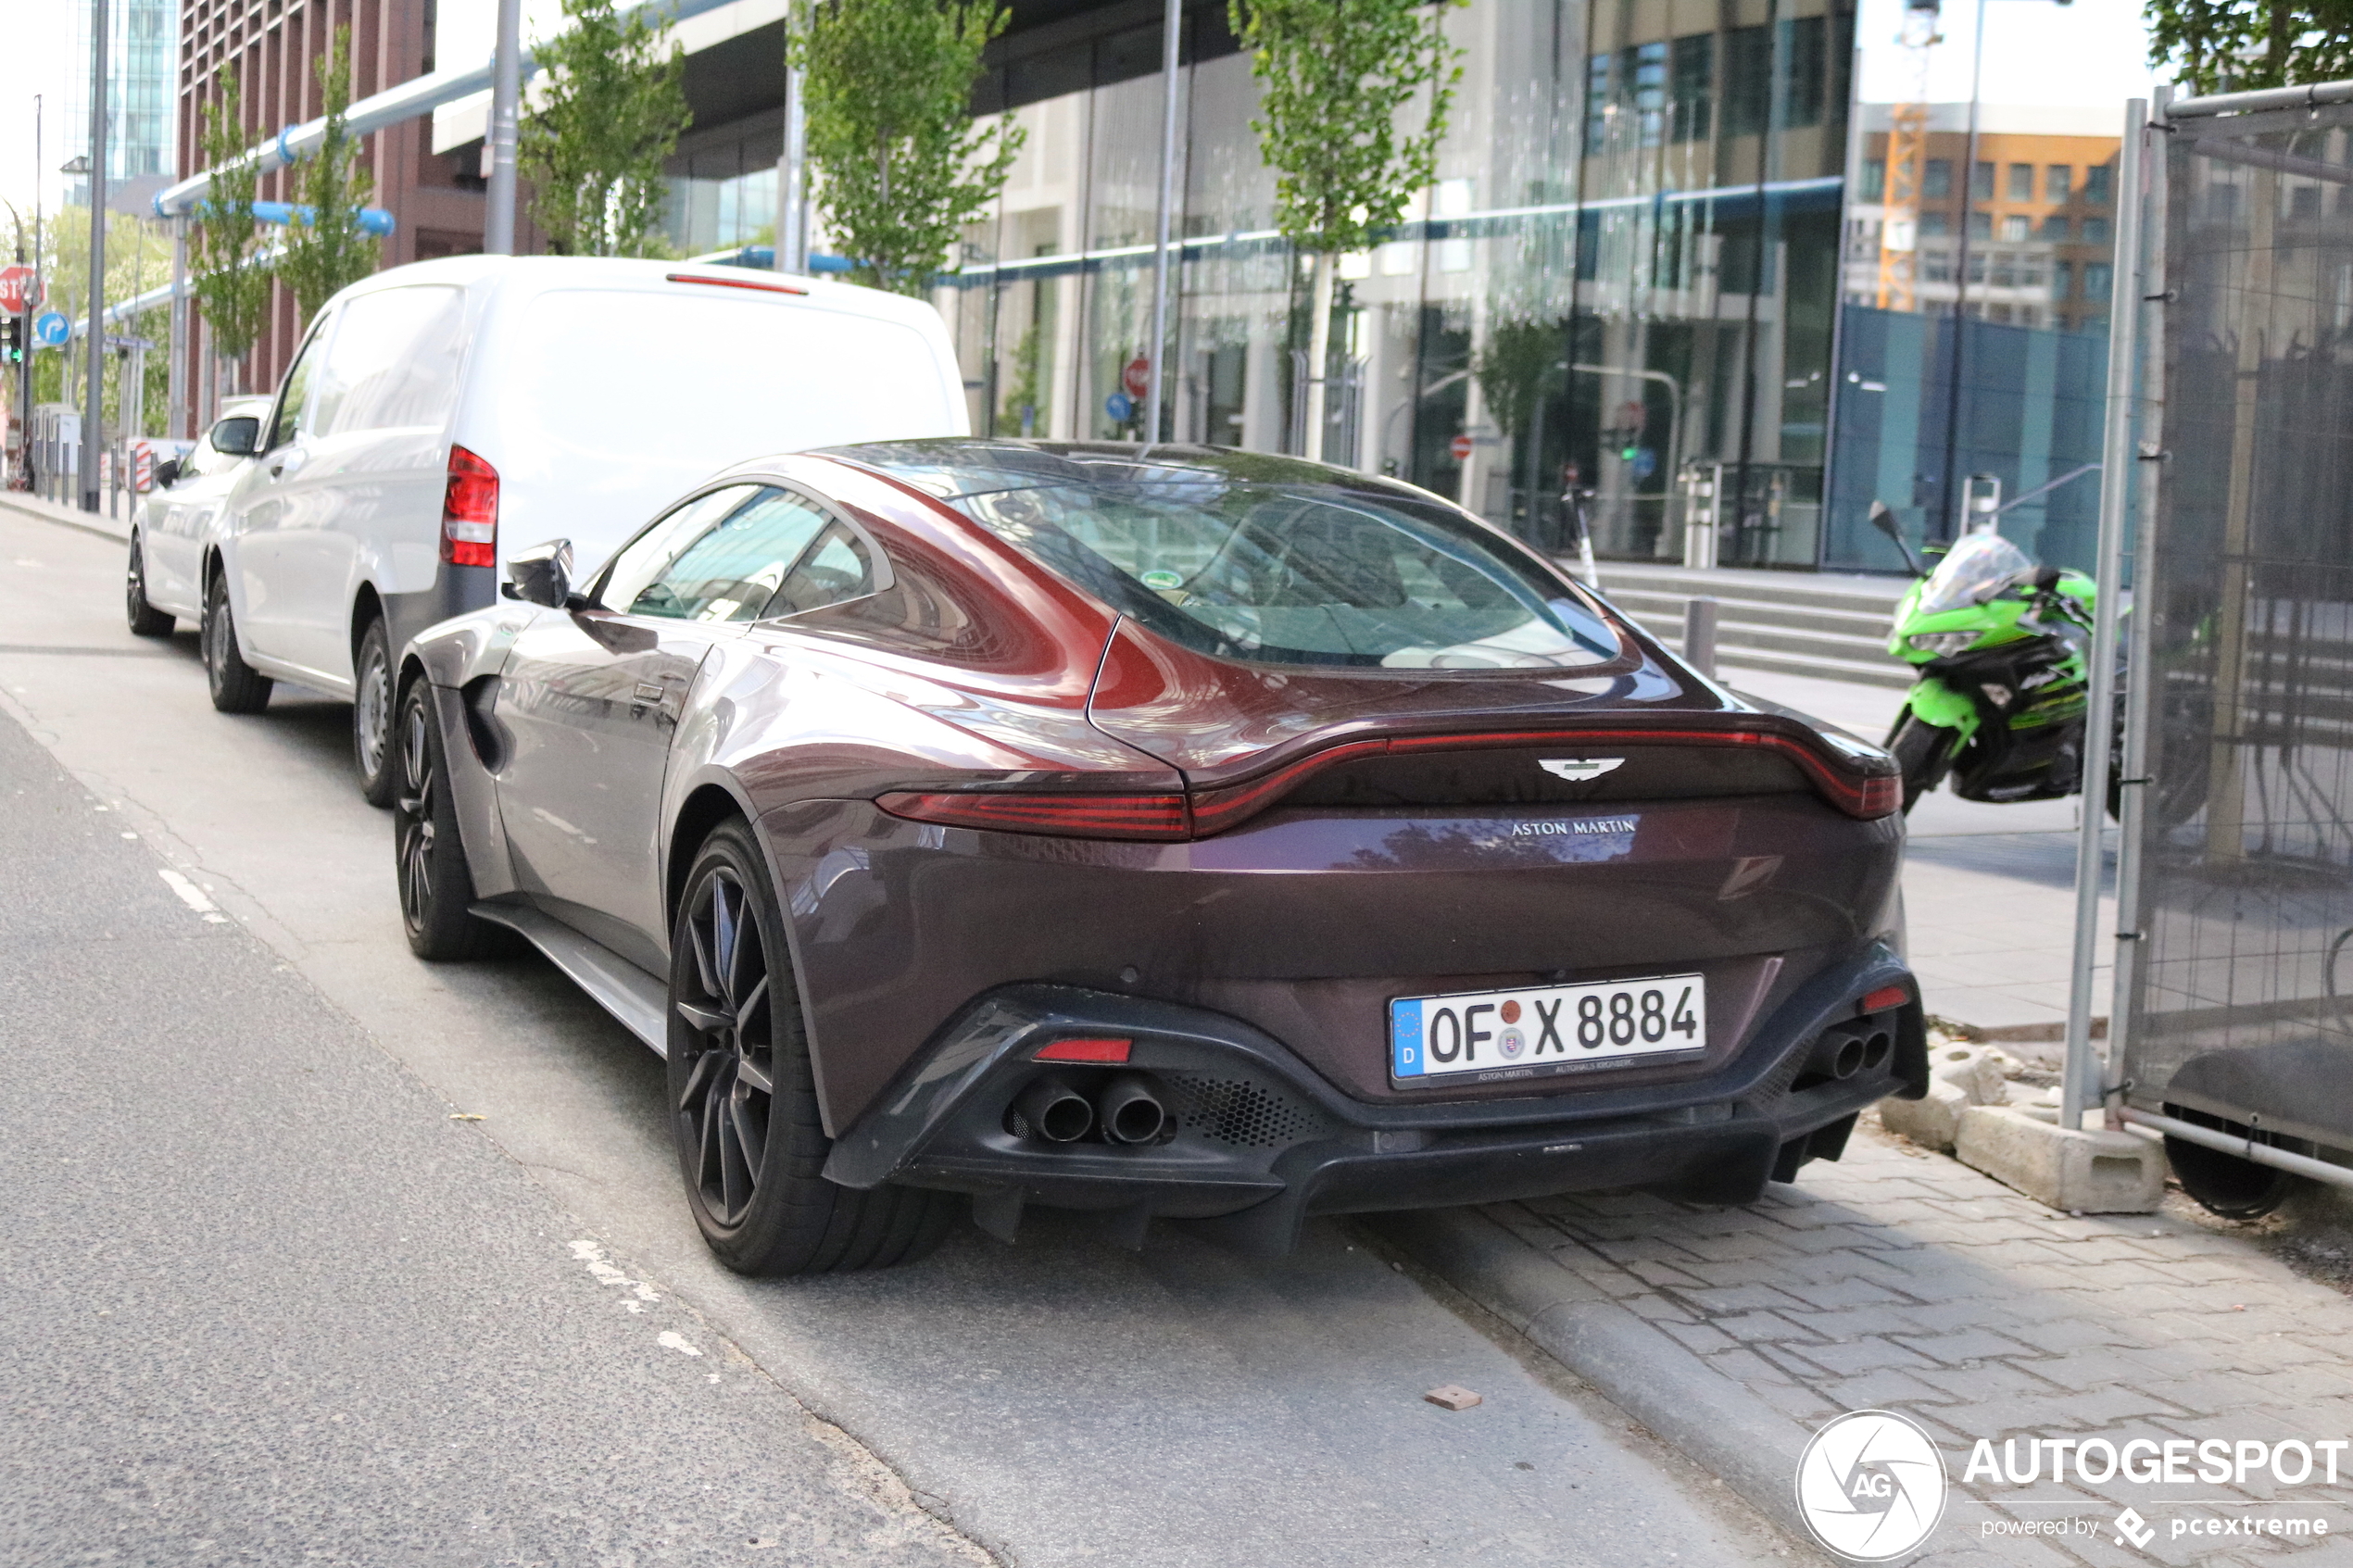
x,y
1055,1111
1127,1109
1130,1111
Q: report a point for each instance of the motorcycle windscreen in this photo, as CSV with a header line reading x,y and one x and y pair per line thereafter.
x,y
1978,567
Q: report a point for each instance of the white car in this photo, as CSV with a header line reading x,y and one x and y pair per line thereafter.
x,y
440,414
172,527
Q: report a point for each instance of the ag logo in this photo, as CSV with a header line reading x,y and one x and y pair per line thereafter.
x,y
1871,1485
1577,769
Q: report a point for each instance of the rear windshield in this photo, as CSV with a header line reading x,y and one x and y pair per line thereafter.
x,y
1296,573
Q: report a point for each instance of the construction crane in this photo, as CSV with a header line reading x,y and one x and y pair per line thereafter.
x,y
1907,155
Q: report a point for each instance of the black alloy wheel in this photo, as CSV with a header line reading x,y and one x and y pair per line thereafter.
x,y
428,855
371,715
145,620
743,1097
236,686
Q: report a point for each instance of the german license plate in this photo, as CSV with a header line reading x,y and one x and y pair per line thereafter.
x,y
1547,1029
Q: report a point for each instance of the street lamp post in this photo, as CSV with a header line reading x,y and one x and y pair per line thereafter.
x,y
94,394
506,108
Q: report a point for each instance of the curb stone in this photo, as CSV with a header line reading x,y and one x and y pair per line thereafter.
x,y
1717,1424
39,510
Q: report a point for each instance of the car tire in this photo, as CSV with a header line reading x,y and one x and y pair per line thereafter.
x,y
236,686
371,715
145,620
1925,753
743,1099
428,849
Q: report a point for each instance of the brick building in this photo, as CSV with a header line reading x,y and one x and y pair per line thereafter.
x,y
269,46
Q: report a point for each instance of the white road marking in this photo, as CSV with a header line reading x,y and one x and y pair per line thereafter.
x,y
671,1339
189,893
592,1255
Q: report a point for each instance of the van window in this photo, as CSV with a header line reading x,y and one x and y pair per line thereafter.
x,y
685,382
294,394
393,361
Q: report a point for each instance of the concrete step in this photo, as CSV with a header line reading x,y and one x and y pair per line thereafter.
x,y
1798,624
1885,673
1654,607
1852,594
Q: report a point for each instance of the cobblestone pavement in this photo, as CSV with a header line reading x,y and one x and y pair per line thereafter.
x,y
1902,1279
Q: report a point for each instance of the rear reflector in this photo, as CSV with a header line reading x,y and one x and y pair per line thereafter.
x,y
1086,1050
1069,815
470,511
1886,996
732,283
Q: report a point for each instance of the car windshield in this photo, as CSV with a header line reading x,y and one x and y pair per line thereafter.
x,y
1275,569
1974,570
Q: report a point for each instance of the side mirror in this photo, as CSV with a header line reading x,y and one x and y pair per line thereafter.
x,y
237,436
167,473
542,574
1884,518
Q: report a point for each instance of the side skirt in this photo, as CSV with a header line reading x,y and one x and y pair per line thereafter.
x,y
636,998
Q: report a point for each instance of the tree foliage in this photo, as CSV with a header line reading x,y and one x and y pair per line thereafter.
x,y
1522,358
231,283
900,166
1338,76
2240,46
610,116
326,250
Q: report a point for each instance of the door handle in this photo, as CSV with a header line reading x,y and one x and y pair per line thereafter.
x,y
649,692
291,463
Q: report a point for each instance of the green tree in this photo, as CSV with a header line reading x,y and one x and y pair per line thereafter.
x,y
326,251
1521,358
1337,76
609,118
138,257
1025,392
2240,46
231,279
900,166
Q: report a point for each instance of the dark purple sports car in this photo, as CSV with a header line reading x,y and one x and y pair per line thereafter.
x,y
1169,832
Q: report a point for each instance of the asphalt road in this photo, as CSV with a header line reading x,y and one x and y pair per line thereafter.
x,y
268,1300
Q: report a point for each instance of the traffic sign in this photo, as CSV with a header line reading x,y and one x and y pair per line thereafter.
x,y
1120,406
16,290
1137,377
50,330
1461,447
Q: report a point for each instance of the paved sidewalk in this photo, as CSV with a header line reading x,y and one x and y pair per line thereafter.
x,y
1901,1280
70,517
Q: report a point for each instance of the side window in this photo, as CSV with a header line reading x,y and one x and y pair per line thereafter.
x,y
393,361
736,567
836,569
288,422
638,563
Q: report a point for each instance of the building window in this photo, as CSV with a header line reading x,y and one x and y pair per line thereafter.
x,y
2095,280
2005,270
1981,186
2095,183
1980,225
1936,181
1748,80
1977,267
1694,96
1598,77
2304,202
2021,182
2059,181
2095,231
1803,71
1935,225
1874,180
2015,227
1936,266
1646,66
2062,279
2057,228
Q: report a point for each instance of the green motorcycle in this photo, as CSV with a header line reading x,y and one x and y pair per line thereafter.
x,y
2004,688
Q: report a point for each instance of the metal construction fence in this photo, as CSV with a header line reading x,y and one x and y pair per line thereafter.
x,y
2236,875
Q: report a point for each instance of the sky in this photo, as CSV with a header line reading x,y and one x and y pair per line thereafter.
x,y
2092,53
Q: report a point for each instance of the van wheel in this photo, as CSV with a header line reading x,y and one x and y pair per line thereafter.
x,y
236,686
145,620
371,715
743,1099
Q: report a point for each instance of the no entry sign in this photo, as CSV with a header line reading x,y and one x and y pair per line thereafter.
x,y
1461,447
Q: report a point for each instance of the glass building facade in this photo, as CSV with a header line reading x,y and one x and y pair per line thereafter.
x,y
142,59
1620,293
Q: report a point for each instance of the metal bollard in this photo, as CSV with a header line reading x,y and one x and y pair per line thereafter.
x,y
1699,635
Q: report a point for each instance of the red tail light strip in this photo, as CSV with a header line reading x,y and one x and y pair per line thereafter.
x,y
731,284
1167,818
1112,1050
1885,998
1067,816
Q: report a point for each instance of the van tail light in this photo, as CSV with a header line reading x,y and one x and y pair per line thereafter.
x,y
1068,816
470,511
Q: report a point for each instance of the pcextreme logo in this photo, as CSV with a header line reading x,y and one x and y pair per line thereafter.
x,y
1871,1485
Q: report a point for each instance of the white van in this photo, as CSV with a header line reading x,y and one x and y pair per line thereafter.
x,y
441,414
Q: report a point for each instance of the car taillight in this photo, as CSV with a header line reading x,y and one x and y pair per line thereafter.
x,y
1070,816
470,511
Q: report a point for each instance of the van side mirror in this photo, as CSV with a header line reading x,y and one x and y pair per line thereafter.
x,y
238,435
542,574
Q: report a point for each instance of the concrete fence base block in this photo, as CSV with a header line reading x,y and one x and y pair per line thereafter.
x,y
1931,1120
2081,1171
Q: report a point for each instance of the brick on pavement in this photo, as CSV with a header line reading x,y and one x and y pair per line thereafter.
x,y
1905,1280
